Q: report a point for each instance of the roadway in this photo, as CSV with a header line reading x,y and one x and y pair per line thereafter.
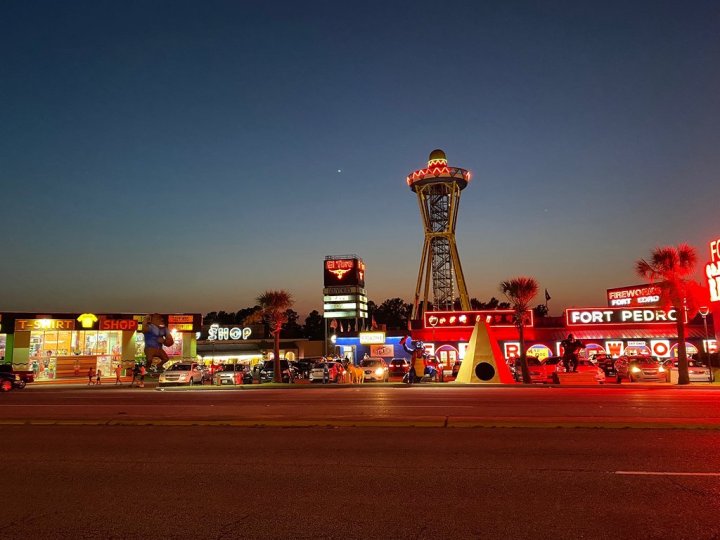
x,y
361,462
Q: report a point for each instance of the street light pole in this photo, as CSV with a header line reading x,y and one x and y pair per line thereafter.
x,y
704,310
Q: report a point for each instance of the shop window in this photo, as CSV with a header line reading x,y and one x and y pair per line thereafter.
x,y
3,344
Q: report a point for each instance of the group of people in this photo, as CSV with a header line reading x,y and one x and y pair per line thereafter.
x,y
95,376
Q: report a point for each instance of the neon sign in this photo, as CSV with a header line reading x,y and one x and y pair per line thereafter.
x,y
87,320
712,271
372,338
44,324
602,316
634,296
467,319
222,333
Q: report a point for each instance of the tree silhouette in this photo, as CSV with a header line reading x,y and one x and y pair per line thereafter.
x,y
520,291
273,309
670,267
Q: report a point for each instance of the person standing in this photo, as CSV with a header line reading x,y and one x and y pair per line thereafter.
x,y
118,372
91,375
97,378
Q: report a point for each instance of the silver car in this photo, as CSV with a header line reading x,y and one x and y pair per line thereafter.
x,y
233,374
181,373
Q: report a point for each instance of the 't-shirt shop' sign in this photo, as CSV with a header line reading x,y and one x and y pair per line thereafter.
x,y
601,316
44,324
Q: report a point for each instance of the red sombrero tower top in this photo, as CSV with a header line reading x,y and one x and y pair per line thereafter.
x,y
438,170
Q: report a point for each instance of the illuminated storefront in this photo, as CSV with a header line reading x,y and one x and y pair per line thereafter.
x,y
67,345
238,344
614,331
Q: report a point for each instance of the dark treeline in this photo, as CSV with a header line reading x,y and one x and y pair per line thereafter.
x,y
392,314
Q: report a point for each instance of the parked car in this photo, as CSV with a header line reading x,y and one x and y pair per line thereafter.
x,y
398,366
304,365
267,372
10,380
181,373
640,368
232,374
536,368
606,363
584,366
697,371
25,376
336,371
375,369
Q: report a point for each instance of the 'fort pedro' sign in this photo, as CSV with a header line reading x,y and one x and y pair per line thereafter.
x,y
600,316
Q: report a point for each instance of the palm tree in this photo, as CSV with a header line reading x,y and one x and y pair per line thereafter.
x,y
273,308
520,291
671,266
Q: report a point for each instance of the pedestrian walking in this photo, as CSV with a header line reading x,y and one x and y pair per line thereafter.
x,y
118,372
135,375
91,375
326,373
143,371
97,377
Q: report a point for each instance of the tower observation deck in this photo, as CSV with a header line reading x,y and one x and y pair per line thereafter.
x,y
438,190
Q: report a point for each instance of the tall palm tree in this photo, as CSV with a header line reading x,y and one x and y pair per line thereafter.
x,y
273,307
520,291
671,267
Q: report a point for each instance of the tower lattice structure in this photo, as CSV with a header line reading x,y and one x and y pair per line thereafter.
x,y
438,190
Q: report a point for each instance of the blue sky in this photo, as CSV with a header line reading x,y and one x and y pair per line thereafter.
x,y
186,156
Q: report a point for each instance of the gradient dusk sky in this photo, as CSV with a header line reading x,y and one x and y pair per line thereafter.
x,y
187,156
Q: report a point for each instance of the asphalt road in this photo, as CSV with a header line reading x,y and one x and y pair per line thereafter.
x,y
361,462
371,406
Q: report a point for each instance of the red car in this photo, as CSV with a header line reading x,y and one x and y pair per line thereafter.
x,y
399,366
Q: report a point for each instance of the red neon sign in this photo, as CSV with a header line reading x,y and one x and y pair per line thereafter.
x,y
712,271
467,319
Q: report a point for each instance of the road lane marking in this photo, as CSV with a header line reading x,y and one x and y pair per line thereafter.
x,y
665,473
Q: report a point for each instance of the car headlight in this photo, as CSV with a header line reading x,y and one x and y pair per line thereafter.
x,y
661,369
635,369
379,371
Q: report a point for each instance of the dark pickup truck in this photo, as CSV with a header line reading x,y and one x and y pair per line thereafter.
x,y
23,378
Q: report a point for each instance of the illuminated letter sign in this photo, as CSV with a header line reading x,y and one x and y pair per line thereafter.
x,y
222,333
635,296
118,324
712,271
44,324
512,349
344,270
372,338
605,316
614,348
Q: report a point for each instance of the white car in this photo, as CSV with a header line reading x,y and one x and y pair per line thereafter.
x,y
696,370
181,373
375,369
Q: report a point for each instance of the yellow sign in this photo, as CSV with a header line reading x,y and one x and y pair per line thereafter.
x,y
87,320
177,319
44,324
372,338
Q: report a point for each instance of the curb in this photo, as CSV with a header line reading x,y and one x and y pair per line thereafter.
x,y
443,423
